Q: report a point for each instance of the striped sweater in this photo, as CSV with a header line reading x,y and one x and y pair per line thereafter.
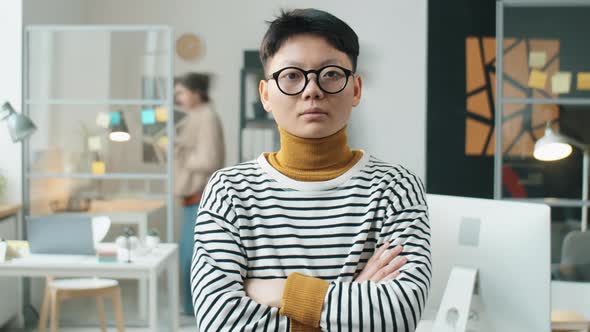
x,y
255,222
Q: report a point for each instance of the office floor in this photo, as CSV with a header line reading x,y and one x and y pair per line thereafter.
x,y
80,315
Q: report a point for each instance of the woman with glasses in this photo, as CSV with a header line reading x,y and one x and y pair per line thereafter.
x,y
316,235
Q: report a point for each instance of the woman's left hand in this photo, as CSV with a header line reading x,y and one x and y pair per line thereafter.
x,y
267,292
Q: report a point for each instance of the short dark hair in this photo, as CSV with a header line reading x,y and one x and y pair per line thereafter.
x,y
196,83
309,21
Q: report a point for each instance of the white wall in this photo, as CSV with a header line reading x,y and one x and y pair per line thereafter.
x,y
10,90
55,11
391,120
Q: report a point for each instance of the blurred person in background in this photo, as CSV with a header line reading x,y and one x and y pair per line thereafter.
x,y
199,151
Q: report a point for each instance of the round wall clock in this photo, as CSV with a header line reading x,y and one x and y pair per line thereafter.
x,y
189,46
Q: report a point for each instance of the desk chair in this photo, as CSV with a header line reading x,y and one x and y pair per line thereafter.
x,y
59,290
65,289
576,246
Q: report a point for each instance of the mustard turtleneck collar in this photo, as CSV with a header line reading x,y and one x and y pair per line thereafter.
x,y
314,159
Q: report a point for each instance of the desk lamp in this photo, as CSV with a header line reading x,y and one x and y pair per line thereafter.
x,y
555,146
19,125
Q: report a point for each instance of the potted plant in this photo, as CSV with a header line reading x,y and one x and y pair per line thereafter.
x,y
153,238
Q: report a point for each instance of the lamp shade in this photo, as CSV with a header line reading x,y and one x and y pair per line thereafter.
x,y
119,131
552,146
20,126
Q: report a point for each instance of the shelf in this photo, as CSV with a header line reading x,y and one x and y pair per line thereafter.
x,y
130,90
560,202
106,176
138,102
548,101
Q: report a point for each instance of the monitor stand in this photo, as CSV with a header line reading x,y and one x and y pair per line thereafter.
x,y
453,312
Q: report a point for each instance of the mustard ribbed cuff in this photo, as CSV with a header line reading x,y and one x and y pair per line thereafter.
x,y
303,299
300,327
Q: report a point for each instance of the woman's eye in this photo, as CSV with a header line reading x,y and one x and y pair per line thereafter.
x,y
292,76
332,74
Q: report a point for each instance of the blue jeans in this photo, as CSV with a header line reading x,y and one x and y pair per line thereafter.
x,y
186,254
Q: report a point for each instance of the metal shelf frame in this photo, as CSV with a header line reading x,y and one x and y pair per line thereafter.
x,y
167,33
501,5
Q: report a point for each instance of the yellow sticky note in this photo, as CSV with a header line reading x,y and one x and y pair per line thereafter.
x,y
94,143
163,141
537,59
584,81
537,79
161,114
98,167
561,82
103,119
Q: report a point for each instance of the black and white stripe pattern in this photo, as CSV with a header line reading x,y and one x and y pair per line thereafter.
x,y
256,223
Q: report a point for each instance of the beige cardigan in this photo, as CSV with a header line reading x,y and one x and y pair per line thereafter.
x,y
199,150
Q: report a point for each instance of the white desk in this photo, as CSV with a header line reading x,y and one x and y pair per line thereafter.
x,y
149,267
140,212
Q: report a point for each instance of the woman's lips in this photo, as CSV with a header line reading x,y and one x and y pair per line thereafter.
x,y
311,116
314,111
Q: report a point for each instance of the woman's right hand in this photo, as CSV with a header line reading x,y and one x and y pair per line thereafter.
x,y
383,266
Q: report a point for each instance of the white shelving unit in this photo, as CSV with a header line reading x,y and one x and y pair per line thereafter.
x,y
503,101
71,73
86,68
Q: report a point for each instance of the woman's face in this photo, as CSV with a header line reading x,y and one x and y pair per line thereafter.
x,y
312,113
185,99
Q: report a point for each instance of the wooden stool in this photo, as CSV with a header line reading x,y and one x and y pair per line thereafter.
x,y
65,289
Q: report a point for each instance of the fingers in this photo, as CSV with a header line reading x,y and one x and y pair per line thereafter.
x,y
390,277
389,269
372,264
378,253
382,264
391,254
378,260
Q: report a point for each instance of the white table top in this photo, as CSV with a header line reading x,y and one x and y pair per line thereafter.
x,y
40,265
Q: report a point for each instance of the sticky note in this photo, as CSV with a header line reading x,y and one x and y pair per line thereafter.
x,y
94,143
98,167
103,120
537,79
584,81
163,141
148,117
161,114
537,59
115,118
561,82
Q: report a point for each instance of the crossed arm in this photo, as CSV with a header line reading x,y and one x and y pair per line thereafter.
x,y
226,301
390,291
382,267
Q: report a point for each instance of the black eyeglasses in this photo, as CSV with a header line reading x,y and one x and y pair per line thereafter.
x,y
293,80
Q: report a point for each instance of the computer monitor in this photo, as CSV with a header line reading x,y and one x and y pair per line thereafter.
x,y
499,255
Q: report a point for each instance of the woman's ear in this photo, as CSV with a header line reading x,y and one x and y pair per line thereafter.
x,y
358,88
263,90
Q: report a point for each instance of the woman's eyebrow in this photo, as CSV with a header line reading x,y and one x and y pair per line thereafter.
x,y
329,62
299,64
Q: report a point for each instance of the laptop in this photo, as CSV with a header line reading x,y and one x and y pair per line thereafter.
x,y
60,234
